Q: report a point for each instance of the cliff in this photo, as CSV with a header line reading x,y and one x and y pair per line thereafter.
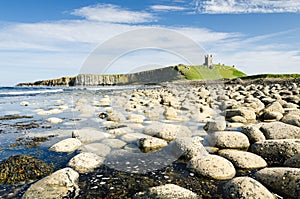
x,y
145,77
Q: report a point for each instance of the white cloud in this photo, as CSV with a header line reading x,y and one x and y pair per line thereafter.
x,y
246,6
113,14
166,8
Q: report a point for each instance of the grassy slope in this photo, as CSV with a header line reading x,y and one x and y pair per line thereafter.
x,y
283,76
202,72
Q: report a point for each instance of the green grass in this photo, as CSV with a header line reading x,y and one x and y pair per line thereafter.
x,y
203,72
282,76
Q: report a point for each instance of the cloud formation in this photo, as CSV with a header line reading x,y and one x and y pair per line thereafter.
x,y
113,14
166,8
246,6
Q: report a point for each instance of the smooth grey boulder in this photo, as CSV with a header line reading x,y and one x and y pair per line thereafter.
x,y
292,118
228,140
274,107
276,152
276,116
282,180
167,132
167,191
85,162
246,188
218,124
253,134
246,113
115,116
67,145
242,159
58,185
88,135
212,166
280,130
151,144
189,147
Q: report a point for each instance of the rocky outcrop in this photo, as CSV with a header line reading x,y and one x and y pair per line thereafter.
x,y
145,77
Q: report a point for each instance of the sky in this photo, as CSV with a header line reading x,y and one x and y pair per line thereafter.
x,y
53,38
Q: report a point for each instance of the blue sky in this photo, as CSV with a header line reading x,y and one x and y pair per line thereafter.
x,y
50,38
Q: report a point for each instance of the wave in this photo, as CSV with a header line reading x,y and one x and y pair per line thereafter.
x,y
29,92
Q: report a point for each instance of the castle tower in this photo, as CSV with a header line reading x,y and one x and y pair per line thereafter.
x,y
208,61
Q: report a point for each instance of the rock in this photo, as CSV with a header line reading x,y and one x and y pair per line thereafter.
x,y
276,152
239,119
151,144
292,118
283,181
272,116
167,191
88,135
63,107
67,145
57,185
120,131
212,166
293,161
54,120
167,132
24,103
135,118
228,140
235,125
170,113
247,188
99,149
246,113
219,124
85,162
243,159
116,116
280,130
21,168
274,107
189,147
133,137
253,134
114,143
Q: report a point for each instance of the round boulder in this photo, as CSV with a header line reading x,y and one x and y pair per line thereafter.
x,y
213,166
85,162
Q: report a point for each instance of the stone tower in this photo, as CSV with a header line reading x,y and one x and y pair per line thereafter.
x,y
208,61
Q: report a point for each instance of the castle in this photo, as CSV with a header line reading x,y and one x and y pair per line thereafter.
x,y
208,61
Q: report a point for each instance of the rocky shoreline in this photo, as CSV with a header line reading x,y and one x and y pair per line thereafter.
x,y
228,139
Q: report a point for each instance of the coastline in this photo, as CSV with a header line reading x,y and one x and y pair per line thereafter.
x,y
112,122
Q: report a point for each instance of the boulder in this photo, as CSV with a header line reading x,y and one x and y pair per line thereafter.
x,y
116,116
228,140
238,119
292,119
58,185
167,132
24,103
280,130
54,120
189,147
246,187
88,135
274,107
272,116
246,113
253,134
218,124
85,162
212,166
151,144
67,145
120,131
135,118
293,161
133,137
282,180
167,191
243,159
276,152
170,113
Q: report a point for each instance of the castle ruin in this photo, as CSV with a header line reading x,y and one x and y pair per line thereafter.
x,y
208,61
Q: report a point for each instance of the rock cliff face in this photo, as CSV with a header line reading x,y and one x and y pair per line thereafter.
x,y
146,77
